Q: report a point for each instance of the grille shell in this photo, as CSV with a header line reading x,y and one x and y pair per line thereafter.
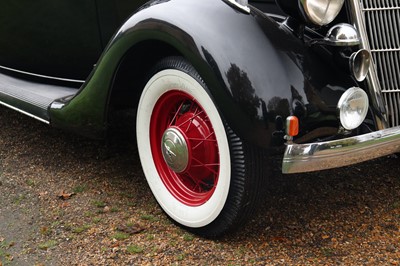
x,y
381,20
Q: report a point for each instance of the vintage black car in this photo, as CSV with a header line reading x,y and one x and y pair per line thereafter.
x,y
220,87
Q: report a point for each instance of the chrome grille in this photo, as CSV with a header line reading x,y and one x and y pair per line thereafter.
x,y
382,26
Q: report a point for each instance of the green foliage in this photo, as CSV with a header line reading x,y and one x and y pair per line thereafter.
x,y
79,189
120,236
133,249
188,237
80,229
148,217
99,204
48,245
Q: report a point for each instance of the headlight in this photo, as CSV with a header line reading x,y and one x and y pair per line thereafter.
x,y
322,12
317,12
353,108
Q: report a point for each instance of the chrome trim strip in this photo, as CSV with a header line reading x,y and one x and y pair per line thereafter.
x,y
25,113
386,50
397,90
381,8
299,158
377,101
241,7
41,76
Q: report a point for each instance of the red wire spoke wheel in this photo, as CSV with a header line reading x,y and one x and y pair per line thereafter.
x,y
184,148
201,173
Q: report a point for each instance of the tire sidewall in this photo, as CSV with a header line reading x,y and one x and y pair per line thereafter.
x,y
190,216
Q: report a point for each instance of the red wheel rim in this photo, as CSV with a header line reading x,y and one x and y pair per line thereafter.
x,y
196,183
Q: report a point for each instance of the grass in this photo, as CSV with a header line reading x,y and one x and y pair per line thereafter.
x,y
89,214
148,217
30,182
4,255
327,252
58,212
130,224
120,236
180,257
18,200
48,245
127,195
96,220
188,237
79,189
80,229
134,249
99,204
396,205
114,209
55,224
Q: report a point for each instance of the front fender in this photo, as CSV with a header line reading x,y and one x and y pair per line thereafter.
x,y
256,70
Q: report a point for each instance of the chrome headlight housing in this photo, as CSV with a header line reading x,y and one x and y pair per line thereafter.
x,y
353,108
317,12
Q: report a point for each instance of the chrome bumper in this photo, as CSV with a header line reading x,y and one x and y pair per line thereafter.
x,y
309,157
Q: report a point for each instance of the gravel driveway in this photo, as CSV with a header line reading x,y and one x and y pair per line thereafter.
x,y
67,200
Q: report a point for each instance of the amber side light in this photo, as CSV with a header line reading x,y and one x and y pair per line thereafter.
x,y
292,126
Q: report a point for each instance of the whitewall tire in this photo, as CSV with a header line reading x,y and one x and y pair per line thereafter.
x,y
185,150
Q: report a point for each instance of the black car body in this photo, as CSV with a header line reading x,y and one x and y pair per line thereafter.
x,y
220,86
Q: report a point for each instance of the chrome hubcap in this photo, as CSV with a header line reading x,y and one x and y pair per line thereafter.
x,y
175,150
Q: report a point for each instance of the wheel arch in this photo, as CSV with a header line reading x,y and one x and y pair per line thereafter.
x,y
130,78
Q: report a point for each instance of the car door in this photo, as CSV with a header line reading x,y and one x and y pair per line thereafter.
x,y
52,38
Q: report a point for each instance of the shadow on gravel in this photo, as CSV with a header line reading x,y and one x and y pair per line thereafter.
x,y
322,212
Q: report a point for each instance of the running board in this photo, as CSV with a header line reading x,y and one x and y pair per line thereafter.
x,y
31,98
